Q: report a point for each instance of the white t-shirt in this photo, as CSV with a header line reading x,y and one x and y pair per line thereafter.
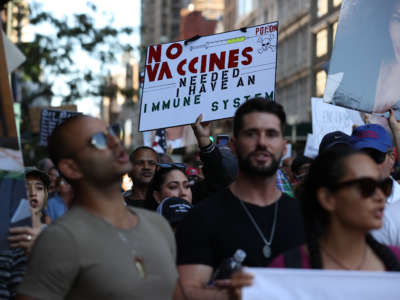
x,y
389,234
395,195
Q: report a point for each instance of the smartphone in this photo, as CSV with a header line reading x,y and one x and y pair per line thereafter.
x,y
23,211
222,139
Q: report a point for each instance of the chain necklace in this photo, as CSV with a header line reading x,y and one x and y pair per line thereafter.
x,y
267,248
137,260
342,265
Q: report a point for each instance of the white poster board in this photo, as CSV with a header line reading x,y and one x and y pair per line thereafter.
x,y
14,56
364,69
211,75
311,148
296,284
328,118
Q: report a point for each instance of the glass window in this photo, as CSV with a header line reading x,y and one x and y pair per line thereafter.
x,y
320,81
337,2
322,7
334,28
244,7
321,42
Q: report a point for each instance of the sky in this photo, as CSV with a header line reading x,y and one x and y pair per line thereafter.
x,y
125,13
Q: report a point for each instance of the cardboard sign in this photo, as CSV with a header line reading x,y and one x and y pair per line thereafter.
x,y
50,118
364,70
328,118
211,75
295,284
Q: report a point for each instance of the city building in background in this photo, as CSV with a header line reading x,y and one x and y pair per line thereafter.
x,y
160,23
306,35
121,107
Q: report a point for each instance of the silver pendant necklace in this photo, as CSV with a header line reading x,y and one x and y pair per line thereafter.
x,y
267,247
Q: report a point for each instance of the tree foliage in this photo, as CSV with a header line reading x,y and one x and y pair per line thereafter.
x,y
58,52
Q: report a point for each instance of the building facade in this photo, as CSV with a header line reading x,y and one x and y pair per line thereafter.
x,y
305,41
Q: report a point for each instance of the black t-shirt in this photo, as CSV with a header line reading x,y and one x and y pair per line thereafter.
x,y
216,228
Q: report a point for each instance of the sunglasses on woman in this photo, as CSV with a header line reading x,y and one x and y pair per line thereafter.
x,y
172,165
368,186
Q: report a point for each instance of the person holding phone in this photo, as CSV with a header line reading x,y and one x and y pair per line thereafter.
x,y
37,183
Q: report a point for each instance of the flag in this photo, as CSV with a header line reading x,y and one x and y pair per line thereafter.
x,y
160,141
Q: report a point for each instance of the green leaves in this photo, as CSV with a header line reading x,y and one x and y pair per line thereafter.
x,y
57,52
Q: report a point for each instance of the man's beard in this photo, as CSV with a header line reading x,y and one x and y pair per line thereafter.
x,y
248,167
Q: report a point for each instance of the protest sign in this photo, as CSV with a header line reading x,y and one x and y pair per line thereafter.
x,y
12,179
311,148
36,112
49,120
14,56
328,118
364,69
295,284
211,75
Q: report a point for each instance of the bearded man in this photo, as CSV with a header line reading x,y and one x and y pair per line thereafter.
x,y
251,214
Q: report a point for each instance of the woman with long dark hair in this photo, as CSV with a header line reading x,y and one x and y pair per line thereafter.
x,y
342,199
169,180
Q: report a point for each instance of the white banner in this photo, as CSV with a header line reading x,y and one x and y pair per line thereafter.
x,y
296,284
328,118
211,75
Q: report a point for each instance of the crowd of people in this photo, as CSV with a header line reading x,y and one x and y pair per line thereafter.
x,y
165,237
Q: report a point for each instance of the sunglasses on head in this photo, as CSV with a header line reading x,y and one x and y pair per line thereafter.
x,y
367,186
99,140
376,155
172,165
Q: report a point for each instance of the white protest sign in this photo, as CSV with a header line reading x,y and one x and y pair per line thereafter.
x,y
328,118
364,75
211,75
296,284
311,148
14,56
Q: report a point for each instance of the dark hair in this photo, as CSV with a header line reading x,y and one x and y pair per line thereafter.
x,y
258,105
133,153
326,171
58,146
299,161
155,185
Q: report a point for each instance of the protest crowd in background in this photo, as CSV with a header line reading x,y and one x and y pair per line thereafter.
x,y
202,229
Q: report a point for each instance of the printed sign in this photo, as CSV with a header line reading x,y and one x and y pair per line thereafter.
x,y
295,284
49,120
328,118
364,69
211,75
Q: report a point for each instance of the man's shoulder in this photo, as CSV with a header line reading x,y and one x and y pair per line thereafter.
x,y
150,217
215,202
145,213
288,199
